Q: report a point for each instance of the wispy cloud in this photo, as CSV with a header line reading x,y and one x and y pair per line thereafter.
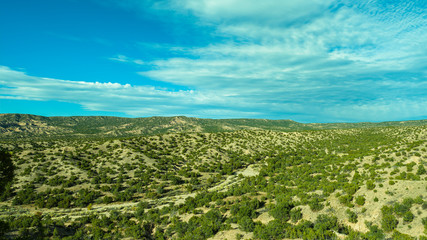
x,y
306,104
315,60
123,58
115,97
94,96
240,11
333,58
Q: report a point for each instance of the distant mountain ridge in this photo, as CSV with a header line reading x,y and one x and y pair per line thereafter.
x,y
21,126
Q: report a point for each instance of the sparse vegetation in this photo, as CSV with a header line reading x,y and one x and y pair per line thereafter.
x,y
258,184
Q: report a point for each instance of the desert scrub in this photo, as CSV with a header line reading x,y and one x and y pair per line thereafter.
x,y
352,216
360,200
370,185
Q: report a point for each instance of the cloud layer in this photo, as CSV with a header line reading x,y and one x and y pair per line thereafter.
x,y
311,61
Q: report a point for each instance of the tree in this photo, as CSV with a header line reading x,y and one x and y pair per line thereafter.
x,y
6,169
352,216
360,200
370,185
374,232
421,170
408,217
389,222
281,211
246,224
296,214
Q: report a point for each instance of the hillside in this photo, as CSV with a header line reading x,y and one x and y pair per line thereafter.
x,y
24,126
359,183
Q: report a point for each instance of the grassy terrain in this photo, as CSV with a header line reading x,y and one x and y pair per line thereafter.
x,y
359,183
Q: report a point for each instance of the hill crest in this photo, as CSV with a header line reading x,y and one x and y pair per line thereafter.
x,y
21,126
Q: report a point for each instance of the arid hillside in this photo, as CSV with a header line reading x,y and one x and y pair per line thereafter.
x,y
24,126
362,183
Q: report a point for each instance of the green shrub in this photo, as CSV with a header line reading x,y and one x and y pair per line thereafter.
x,y
424,222
370,185
246,208
360,200
246,224
374,232
346,199
389,222
352,216
281,211
419,200
408,217
400,236
273,230
421,170
316,205
401,209
296,214
325,222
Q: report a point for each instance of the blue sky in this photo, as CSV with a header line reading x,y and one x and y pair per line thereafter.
x,y
309,61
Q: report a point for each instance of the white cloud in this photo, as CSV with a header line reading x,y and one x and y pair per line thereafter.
x,y
315,103
120,58
310,60
91,95
123,58
345,47
267,11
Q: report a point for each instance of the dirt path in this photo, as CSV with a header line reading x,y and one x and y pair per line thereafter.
x,y
251,170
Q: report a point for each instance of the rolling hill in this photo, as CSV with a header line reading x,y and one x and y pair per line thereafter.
x,y
24,126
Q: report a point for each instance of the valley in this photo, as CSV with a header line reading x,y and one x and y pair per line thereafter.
x,y
349,183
